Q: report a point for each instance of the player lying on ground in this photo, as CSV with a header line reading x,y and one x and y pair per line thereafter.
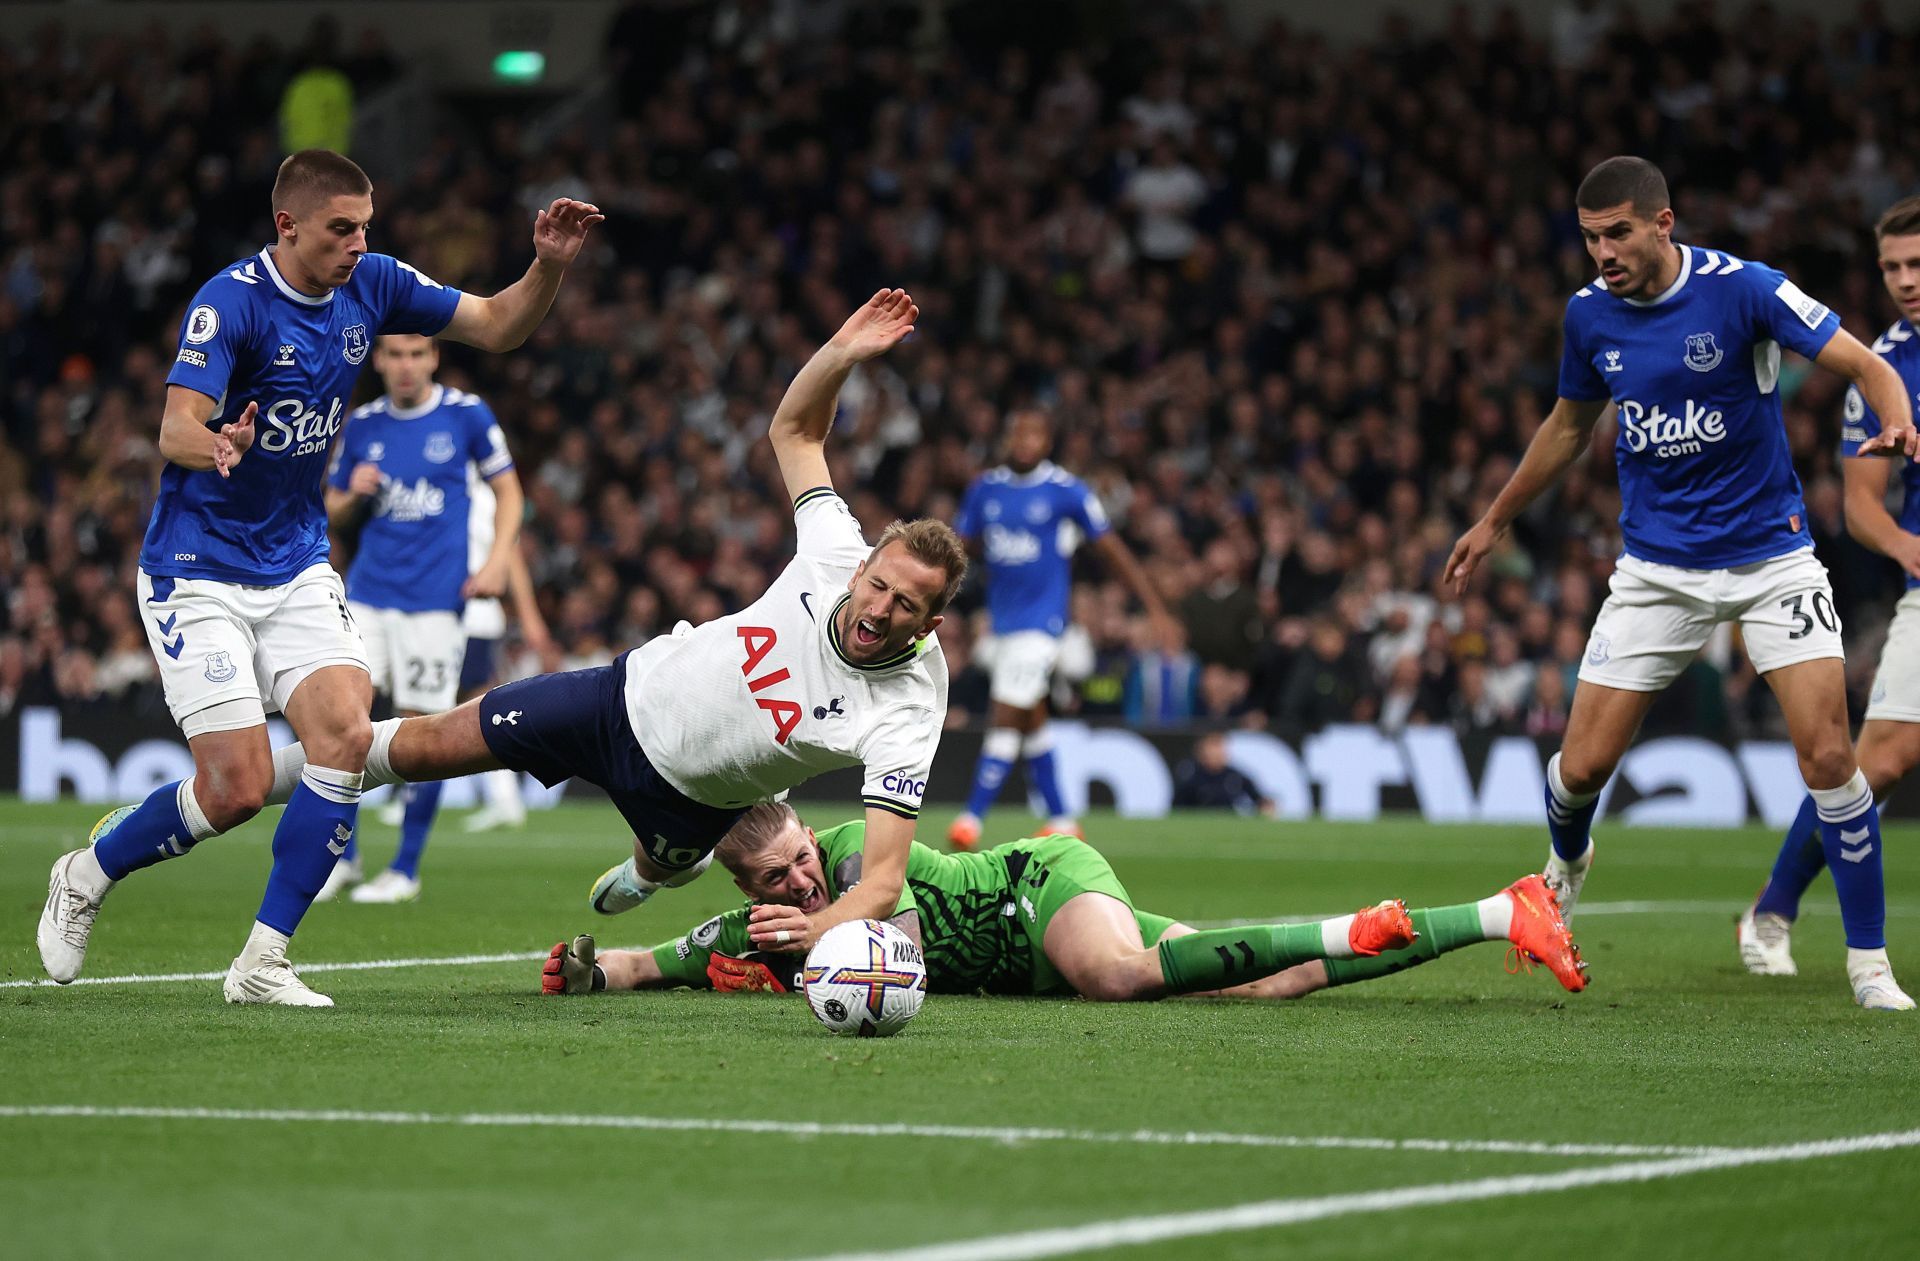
x,y
836,665
1045,916
241,608
1685,342
1889,744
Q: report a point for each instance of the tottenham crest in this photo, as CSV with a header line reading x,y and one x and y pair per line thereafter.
x,y
220,667
357,343
1703,355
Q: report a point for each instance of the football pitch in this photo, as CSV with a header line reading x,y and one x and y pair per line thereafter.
x,y
446,1109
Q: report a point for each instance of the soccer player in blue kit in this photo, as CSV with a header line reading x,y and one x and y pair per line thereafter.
x,y
1027,518
405,460
1686,341
1889,744
239,603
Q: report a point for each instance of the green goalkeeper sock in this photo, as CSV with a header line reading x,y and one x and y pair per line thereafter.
x,y
1441,929
1223,957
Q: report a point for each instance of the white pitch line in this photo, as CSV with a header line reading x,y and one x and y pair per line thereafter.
x,y
1264,1214
358,965
1009,1135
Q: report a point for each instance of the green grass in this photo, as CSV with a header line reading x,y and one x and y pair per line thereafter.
x,y
1673,1045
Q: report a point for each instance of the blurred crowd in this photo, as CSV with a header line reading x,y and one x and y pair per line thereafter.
x,y
1295,308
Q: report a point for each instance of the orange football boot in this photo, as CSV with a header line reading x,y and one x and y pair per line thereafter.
x,y
965,832
1540,935
1377,929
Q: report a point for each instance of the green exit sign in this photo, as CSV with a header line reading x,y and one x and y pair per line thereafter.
x,y
520,65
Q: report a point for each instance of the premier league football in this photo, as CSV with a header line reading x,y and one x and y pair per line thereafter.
x,y
1208,629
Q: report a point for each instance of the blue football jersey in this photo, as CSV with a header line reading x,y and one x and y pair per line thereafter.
x,y
1706,478
1029,525
250,337
1899,347
413,548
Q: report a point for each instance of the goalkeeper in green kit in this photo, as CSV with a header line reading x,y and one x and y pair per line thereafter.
x,y
1045,916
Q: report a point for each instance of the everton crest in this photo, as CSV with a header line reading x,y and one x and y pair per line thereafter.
x,y
1703,355
220,667
357,343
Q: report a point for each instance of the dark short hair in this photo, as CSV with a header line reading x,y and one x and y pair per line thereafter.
x,y
317,175
1624,179
1902,218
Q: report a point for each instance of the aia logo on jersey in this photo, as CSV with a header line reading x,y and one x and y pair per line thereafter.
x,y
356,343
760,641
1702,354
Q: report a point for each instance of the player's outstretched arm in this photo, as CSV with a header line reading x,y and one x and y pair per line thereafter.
x,y
1119,558
505,320
1560,441
185,439
495,573
1881,387
800,423
1865,482
883,876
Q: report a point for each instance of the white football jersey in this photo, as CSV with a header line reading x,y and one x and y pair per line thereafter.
x,y
744,707
485,618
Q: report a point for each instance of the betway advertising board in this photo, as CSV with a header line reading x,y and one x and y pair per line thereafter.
x,y
1339,773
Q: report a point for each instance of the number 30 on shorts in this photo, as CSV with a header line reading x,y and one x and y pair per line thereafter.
x,y
1822,611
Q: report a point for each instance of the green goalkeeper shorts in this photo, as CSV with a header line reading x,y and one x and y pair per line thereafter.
x,y
1055,870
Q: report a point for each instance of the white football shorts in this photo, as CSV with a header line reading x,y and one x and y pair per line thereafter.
x,y
1896,684
1657,618
220,642
1022,667
415,658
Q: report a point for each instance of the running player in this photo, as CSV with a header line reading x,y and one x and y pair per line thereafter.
x,y
836,665
1889,744
1686,342
240,605
1027,518
407,459
1047,915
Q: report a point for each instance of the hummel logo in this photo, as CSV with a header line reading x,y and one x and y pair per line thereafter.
x,y
1613,361
511,718
831,709
285,358
342,835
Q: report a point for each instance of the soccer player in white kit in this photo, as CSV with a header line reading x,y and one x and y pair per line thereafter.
x,y
836,665
1686,341
240,605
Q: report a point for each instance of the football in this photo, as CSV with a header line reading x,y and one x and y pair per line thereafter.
x,y
865,978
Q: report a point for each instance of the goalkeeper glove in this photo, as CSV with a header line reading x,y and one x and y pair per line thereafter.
x,y
570,969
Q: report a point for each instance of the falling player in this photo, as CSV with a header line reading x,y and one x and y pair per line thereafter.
x,y
239,603
406,460
1686,342
836,665
1047,915
1026,519
1889,744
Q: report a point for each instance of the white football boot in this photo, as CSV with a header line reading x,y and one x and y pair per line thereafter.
x,y
1565,878
345,874
75,888
618,890
393,811
1765,943
271,980
387,887
1873,985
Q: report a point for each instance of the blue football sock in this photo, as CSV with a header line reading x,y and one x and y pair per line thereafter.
x,y
157,830
1042,774
1850,832
312,836
423,802
997,753
1569,814
1802,855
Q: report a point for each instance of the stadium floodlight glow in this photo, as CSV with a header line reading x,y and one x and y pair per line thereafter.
x,y
520,65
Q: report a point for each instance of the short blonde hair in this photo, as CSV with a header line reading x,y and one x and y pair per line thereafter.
x,y
752,832
931,543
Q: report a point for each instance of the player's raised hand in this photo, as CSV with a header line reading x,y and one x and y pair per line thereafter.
x,y
1468,553
784,929
561,229
233,441
1893,440
878,325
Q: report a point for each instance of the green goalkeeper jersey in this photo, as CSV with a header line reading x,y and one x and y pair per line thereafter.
x,y
968,922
